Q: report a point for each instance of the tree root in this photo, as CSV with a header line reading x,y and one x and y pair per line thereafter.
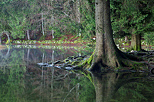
x,y
125,62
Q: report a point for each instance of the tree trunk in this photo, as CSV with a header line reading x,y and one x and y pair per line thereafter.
x,y
52,22
106,55
42,24
106,52
78,15
136,42
28,35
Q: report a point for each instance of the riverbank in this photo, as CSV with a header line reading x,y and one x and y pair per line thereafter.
x,y
70,40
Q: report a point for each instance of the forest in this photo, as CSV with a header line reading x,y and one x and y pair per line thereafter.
x,y
47,19
76,50
125,23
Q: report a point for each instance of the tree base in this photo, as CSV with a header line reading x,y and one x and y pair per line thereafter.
x,y
127,62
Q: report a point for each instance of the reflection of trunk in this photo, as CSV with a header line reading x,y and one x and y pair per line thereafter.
x,y
105,87
77,87
28,52
43,58
8,52
136,42
42,67
53,56
107,84
52,79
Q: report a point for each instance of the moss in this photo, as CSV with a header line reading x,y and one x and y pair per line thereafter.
x,y
90,59
87,63
75,62
137,65
82,63
136,48
88,75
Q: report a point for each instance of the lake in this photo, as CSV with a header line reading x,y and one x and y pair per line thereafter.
x,y
23,80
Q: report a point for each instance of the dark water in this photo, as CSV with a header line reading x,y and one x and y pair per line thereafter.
x,y
22,80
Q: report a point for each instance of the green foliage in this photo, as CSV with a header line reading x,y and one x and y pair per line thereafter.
x,y
18,16
149,38
12,86
135,92
127,15
88,19
87,90
17,27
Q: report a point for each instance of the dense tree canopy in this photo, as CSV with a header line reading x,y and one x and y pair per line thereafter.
x,y
61,17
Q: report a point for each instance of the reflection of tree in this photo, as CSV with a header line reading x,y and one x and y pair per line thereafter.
x,y
86,91
23,81
51,85
11,76
140,91
5,55
120,87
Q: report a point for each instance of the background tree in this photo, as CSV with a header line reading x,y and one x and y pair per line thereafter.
x,y
133,18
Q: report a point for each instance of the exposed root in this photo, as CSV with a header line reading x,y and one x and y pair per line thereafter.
x,y
123,62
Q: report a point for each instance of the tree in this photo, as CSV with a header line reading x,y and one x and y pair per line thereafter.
x,y
133,18
106,53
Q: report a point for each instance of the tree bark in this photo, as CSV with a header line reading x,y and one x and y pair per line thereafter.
x,y
28,35
106,54
42,24
78,15
136,42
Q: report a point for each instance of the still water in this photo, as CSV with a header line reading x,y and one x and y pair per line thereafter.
x,y
22,80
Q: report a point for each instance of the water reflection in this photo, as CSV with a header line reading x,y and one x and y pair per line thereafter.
x,y
22,80
123,87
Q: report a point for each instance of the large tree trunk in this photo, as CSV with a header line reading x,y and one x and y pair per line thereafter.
x,y
106,52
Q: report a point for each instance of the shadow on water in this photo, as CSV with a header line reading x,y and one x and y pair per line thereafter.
x,y
22,80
